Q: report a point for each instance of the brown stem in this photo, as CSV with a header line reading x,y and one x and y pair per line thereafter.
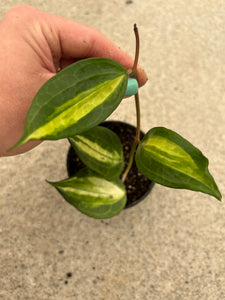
x,y
134,69
136,140
131,159
137,103
138,117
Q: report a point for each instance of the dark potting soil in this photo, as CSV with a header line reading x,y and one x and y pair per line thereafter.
x,y
136,184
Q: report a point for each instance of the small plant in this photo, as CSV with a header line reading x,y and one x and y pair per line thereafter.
x,y
74,102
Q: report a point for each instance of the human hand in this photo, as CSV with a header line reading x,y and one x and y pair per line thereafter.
x,y
34,45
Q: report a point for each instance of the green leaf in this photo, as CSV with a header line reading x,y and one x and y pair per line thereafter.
x,y
76,99
168,159
93,195
100,149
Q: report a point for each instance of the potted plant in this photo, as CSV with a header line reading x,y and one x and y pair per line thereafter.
x,y
74,102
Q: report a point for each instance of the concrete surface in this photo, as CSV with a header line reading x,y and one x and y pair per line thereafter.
x,y
171,246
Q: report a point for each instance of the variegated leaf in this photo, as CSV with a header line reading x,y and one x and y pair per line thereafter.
x,y
92,194
76,99
100,149
168,159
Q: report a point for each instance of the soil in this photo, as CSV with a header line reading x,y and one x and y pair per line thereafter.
x,y
136,184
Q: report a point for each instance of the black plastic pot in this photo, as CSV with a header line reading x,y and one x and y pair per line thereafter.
x,y
136,184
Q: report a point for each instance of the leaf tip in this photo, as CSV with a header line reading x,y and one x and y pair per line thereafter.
x,y
15,146
20,142
218,196
50,182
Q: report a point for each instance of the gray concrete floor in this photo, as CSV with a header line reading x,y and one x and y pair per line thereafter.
x,y
171,246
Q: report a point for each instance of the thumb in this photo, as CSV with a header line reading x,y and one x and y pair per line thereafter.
x,y
79,41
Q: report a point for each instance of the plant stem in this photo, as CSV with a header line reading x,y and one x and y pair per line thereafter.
x,y
138,114
136,140
138,117
134,69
